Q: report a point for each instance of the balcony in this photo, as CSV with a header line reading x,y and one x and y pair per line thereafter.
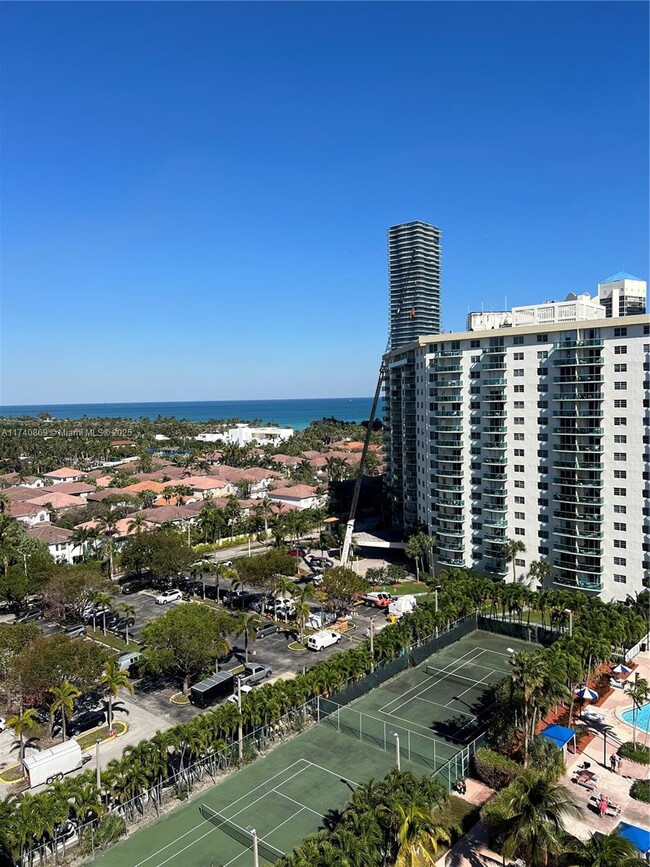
x,y
500,462
494,477
447,413
498,538
454,488
495,430
446,398
501,446
583,377
576,583
489,380
447,383
448,353
448,472
577,361
494,350
445,516
582,413
451,561
448,428
579,465
493,413
446,368
495,569
454,458
578,344
499,491
578,449
448,546
578,498
500,508
495,522
563,515
450,503
494,365
453,532
579,431
574,532
579,567
578,395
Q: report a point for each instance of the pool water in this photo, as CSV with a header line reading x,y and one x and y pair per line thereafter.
x,y
642,717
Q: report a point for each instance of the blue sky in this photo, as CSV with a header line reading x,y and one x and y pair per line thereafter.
x,y
196,195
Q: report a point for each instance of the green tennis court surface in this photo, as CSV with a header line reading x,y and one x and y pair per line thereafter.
x,y
288,793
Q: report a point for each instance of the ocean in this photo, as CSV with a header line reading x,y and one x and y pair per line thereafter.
x,y
296,414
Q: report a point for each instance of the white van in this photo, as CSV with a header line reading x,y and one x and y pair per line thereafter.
x,y
320,640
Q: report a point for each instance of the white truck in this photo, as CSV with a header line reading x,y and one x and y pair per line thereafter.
x,y
52,764
402,605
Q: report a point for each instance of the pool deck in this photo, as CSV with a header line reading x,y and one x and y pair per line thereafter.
x,y
615,786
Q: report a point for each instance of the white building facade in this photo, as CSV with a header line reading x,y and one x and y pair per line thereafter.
x,y
535,433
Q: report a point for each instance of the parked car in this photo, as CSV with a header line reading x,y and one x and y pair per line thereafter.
x,y
98,613
255,672
168,596
267,600
239,598
30,615
90,720
284,608
76,630
377,599
320,562
321,640
135,585
298,551
318,619
3,723
268,628
244,689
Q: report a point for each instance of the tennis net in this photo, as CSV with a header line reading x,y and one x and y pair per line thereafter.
x,y
232,829
466,682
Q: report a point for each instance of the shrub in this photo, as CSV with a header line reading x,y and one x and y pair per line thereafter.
x,y
546,759
638,754
110,829
495,770
640,791
494,814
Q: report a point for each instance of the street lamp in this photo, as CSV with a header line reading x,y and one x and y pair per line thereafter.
x,y
256,854
240,731
98,772
435,590
570,613
397,753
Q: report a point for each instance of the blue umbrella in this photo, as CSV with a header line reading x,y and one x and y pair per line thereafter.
x,y
639,837
621,669
586,694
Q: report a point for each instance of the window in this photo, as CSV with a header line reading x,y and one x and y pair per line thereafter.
x,y
542,371
518,356
619,579
519,483
475,344
620,421
542,550
620,332
519,438
620,543
620,492
475,358
619,526
619,385
620,509
620,403
520,468
520,516
542,338
519,419
519,371
520,500
620,368
620,456
620,474
520,531
519,404
519,389
620,349
518,341
519,453
519,562
620,438
620,561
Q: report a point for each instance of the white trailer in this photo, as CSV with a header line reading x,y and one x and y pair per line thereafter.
x,y
52,764
402,605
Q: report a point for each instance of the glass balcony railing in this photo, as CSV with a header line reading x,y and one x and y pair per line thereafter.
x,y
573,497
577,395
576,583
590,517
578,344
575,532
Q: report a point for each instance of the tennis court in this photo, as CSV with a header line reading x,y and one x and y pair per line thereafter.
x,y
289,793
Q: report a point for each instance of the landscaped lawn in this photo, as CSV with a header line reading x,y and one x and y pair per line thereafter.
x,y
111,640
402,589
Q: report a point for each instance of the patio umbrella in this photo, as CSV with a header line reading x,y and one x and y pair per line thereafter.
x,y
639,837
586,694
621,669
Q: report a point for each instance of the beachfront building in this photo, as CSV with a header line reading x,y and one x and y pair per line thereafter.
x,y
414,279
538,433
244,435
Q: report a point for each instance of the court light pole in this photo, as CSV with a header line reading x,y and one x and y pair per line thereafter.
x,y
372,643
398,758
435,590
570,613
256,854
240,730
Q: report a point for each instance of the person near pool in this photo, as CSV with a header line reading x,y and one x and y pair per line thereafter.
x,y
602,805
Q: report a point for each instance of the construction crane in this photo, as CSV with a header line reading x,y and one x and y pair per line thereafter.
x,y
349,527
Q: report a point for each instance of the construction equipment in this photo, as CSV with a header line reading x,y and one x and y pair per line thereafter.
x,y
349,527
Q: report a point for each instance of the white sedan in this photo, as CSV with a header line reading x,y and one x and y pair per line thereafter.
x,y
168,596
3,723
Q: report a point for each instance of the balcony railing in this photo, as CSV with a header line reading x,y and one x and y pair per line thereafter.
x,y
576,583
578,344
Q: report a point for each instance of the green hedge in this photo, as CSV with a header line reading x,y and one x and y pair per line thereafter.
x,y
495,770
640,791
639,754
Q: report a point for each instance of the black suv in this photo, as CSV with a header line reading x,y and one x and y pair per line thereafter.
x,y
238,598
90,720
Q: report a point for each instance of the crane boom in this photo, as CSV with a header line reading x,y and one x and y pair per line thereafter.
x,y
349,527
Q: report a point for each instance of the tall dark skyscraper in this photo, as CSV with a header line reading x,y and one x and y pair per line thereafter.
x,y
414,278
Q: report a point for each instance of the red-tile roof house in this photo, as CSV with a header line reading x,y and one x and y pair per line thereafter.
x,y
58,542
64,474
60,502
302,496
27,513
74,489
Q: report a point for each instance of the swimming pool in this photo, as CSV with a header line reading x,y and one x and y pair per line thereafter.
x,y
642,717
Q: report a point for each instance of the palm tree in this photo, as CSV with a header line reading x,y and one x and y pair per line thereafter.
x,y
22,724
301,603
80,538
264,510
527,679
103,601
107,527
602,851
417,835
129,613
114,679
246,624
137,524
639,691
64,699
539,570
535,826
511,548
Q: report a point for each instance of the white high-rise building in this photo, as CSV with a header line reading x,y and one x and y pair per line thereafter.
x,y
537,433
